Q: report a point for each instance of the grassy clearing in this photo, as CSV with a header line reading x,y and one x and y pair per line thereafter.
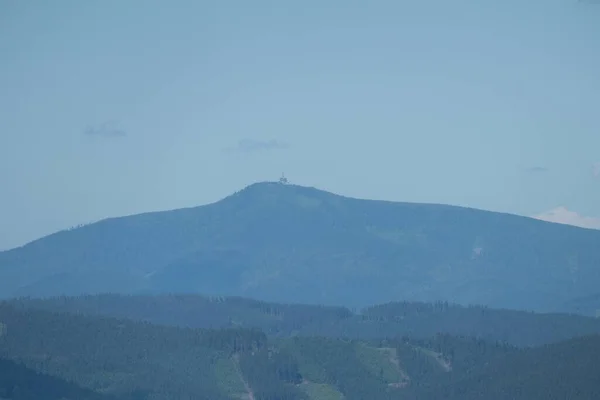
x,y
321,391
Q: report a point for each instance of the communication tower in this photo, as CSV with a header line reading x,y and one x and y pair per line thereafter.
x,y
283,180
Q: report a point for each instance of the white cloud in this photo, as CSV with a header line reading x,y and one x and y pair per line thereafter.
x,y
253,145
562,215
596,169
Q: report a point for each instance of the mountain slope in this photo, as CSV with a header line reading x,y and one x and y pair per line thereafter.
x,y
18,382
142,361
125,358
296,244
565,370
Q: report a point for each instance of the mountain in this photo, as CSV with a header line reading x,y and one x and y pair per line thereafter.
x,y
411,319
142,361
289,243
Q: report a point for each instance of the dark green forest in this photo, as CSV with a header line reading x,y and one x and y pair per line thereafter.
x,y
414,319
18,382
110,357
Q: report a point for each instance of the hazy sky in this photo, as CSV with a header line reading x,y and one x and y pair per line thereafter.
x,y
116,107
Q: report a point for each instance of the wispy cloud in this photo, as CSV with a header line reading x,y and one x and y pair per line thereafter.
x,y
537,169
562,215
596,169
253,145
107,129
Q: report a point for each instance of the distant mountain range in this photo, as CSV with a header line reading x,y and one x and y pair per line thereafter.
x,y
288,243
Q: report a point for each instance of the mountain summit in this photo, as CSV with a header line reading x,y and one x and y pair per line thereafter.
x,y
290,243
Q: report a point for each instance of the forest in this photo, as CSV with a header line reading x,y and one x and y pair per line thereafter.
x,y
414,319
21,383
124,358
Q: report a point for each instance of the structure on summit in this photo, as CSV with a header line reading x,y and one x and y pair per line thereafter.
x,y
283,180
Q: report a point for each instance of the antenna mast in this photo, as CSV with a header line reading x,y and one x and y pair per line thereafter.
x,y
283,180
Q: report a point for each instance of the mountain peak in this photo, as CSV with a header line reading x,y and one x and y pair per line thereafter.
x,y
270,192
280,187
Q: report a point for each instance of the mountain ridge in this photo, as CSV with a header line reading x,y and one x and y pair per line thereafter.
x,y
307,189
289,243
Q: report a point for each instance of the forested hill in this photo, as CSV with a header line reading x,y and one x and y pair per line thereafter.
x,y
566,370
296,244
18,382
142,361
386,320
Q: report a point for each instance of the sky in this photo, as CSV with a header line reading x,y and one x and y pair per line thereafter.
x,y
111,108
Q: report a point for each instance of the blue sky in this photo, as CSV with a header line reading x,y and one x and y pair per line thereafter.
x,y
117,107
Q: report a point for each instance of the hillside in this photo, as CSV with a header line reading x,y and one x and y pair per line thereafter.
x,y
296,244
566,370
18,382
142,361
417,320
